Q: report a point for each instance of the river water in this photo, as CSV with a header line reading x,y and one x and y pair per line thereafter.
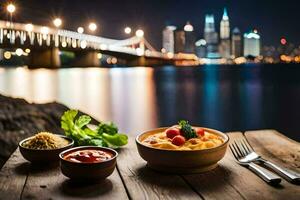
x,y
228,98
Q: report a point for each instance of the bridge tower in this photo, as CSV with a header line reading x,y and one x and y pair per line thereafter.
x,y
41,57
87,58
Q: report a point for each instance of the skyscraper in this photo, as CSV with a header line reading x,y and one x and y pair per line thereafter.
x,y
190,38
211,37
168,38
236,43
251,44
225,36
179,41
225,26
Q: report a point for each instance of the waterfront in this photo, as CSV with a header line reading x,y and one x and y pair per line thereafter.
x,y
228,98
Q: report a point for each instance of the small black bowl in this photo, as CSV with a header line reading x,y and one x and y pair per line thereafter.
x,y
43,155
88,171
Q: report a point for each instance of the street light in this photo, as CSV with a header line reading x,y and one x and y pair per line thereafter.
x,y
92,26
80,29
139,33
127,30
57,22
11,8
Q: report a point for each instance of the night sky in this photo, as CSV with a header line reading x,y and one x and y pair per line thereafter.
x,y
273,19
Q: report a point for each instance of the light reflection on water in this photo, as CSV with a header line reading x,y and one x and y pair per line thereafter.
x,y
133,98
228,98
211,92
106,94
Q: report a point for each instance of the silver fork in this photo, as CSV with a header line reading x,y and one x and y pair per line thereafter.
x,y
242,158
253,156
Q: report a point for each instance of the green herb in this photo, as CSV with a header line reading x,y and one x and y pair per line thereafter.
x,y
105,135
187,129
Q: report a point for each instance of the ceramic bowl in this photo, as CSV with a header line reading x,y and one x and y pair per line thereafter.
x,y
43,155
90,171
181,162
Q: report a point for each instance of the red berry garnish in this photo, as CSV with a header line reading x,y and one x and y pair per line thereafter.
x,y
172,132
200,132
178,140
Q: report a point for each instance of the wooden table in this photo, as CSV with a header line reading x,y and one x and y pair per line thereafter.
x,y
133,180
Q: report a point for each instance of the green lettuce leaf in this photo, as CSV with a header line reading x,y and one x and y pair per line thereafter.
x,y
82,121
67,120
115,140
77,128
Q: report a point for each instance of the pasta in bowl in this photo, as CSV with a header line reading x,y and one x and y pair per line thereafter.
x,y
162,141
170,150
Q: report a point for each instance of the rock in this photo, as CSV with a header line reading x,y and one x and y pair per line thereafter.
x,y
20,119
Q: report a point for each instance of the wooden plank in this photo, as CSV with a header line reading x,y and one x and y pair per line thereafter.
x,y
13,177
277,147
281,150
144,183
231,181
214,184
52,184
251,186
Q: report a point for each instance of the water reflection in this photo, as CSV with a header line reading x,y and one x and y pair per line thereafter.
x,y
133,99
88,90
125,96
210,98
228,98
251,95
15,82
43,85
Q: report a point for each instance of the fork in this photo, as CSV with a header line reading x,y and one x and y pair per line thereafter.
x,y
243,159
254,157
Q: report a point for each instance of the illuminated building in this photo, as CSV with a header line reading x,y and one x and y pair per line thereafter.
x,y
211,37
179,41
189,46
201,48
236,43
251,44
224,47
168,38
225,26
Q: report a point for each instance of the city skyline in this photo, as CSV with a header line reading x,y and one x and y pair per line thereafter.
x,y
141,16
225,44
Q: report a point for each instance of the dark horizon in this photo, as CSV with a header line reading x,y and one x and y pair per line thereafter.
x,y
272,19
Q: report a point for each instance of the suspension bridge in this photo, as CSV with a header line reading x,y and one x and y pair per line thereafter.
x,y
45,44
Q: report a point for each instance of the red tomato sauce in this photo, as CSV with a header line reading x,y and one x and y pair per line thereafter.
x,y
88,156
